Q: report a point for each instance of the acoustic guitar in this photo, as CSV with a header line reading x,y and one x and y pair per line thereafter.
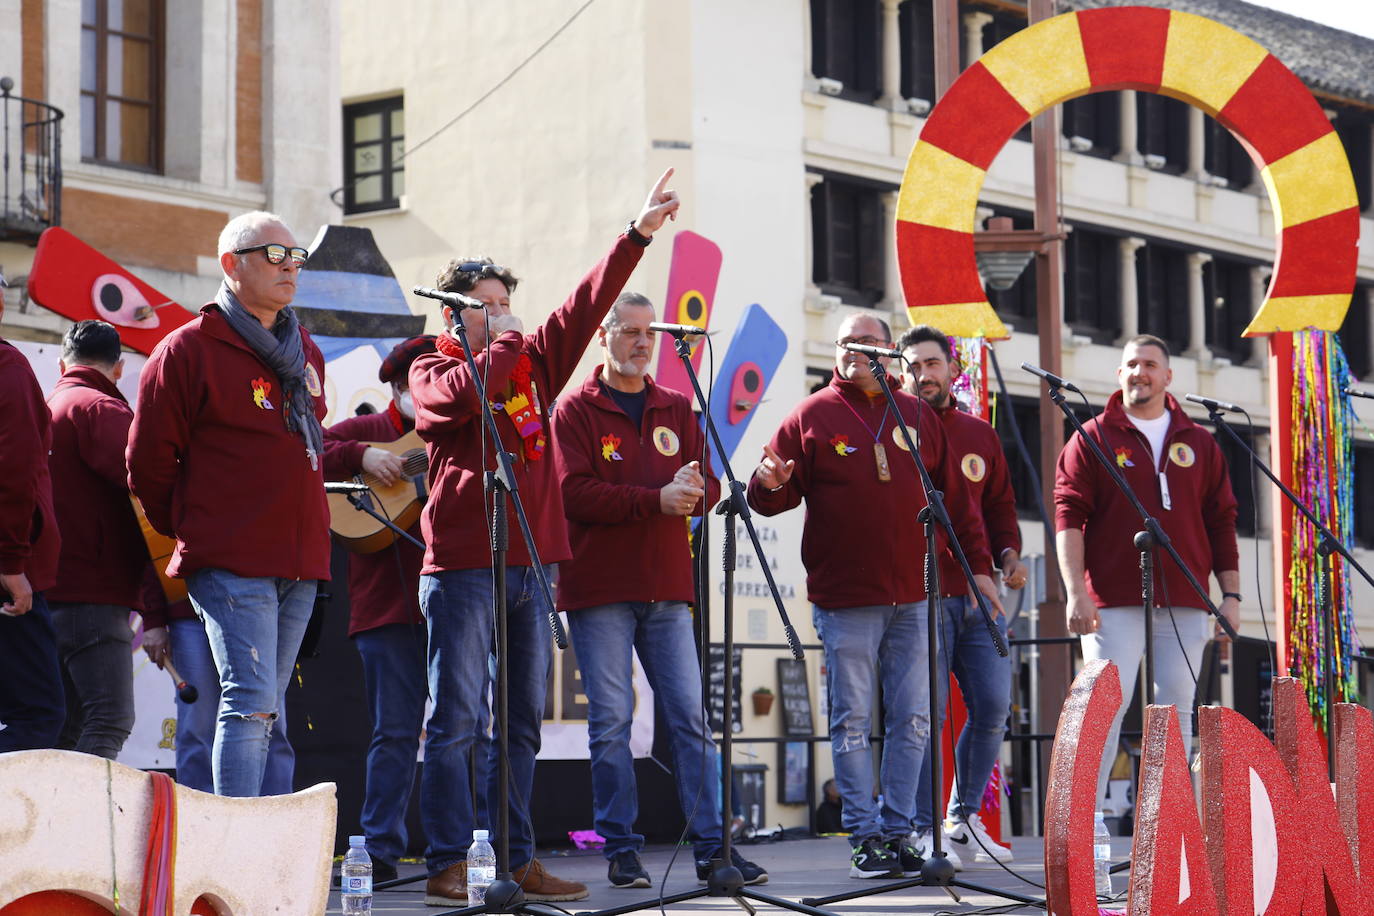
x,y
160,550
401,502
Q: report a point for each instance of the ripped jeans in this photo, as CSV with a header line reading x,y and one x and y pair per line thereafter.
x,y
882,645
255,627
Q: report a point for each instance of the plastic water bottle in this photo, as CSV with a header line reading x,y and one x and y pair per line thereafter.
x,y
356,878
481,868
1102,856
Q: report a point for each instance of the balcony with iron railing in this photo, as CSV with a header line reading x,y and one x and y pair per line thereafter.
x,y
31,180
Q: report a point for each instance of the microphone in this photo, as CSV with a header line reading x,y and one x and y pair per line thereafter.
x,y
677,330
873,352
1050,377
345,487
452,300
185,692
1213,404
1356,393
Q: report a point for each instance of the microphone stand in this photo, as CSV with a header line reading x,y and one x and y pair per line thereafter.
x,y
937,871
504,894
725,879
359,501
1327,544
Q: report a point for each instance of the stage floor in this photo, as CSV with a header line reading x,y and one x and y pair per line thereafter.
x,y
797,868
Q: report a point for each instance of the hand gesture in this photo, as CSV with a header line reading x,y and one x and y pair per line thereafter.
x,y
1013,570
1230,609
679,498
988,588
20,599
157,645
382,465
690,474
1083,616
662,203
500,324
772,471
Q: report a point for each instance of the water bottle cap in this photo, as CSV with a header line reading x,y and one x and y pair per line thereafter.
x,y
1097,817
357,841
480,835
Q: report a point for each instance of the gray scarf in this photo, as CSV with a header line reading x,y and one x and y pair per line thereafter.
x,y
282,351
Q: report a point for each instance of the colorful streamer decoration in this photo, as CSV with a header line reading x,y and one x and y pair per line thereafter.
x,y
970,389
1322,475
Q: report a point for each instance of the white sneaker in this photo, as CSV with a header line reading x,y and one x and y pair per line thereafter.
x,y
923,842
971,836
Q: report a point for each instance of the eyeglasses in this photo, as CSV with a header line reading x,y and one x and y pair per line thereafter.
x,y
481,268
277,253
869,341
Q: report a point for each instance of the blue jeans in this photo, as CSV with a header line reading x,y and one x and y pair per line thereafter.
x,y
255,627
31,703
457,605
985,681
661,631
886,644
95,644
394,673
196,721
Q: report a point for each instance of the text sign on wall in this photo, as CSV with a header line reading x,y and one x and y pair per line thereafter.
x,y
796,698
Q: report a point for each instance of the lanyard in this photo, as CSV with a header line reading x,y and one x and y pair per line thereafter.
x,y
878,436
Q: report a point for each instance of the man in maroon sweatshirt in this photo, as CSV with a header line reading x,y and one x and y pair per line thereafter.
x,y
630,456
226,455
1177,470
384,615
842,451
103,554
31,701
522,373
966,647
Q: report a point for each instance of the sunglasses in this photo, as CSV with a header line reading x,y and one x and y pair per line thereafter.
x,y
277,253
481,268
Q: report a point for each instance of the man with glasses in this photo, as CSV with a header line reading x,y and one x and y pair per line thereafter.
x,y
630,458
842,452
522,372
225,454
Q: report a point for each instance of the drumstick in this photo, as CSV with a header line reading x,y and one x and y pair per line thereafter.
x,y
187,693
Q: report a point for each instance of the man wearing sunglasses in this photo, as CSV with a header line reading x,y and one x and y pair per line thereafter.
x,y
522,373
226,455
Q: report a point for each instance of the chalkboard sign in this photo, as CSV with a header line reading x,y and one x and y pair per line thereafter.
x,y
796,698
716,673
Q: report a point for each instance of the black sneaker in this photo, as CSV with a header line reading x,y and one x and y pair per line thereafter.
x,y
382,871
907,855
626,870
751,872
871,859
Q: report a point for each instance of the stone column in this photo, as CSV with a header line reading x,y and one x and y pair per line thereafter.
x,y
1130,292
892,58
1197,143
893,298
973,34
1259,346
812,291
1128,135
1197,308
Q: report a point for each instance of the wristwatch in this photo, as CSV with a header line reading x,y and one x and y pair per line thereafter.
x,y
636,236
1235,595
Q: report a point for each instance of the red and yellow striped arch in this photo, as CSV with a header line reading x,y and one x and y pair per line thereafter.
x,y
1189,57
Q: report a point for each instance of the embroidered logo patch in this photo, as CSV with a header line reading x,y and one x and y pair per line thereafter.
x,y
841,445
973,466
1182,455
312,381
666,441
610,443
261,389
900,441
1123,457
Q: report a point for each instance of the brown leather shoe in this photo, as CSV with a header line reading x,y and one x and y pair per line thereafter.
x,y
449,887
538,884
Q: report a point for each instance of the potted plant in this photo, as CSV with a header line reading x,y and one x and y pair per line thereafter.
x,y
763,701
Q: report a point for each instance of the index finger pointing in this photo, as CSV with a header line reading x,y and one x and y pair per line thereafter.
x,y
662,182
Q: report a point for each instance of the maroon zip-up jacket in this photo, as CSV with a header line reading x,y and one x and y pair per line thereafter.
x,y
29,542
103,553
1201,523
974,444
449,418
852,559
623,547
213,463
383,587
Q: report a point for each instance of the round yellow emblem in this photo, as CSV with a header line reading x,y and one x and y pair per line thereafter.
x,y
312,381
900,441
665,440
974,467
1182,455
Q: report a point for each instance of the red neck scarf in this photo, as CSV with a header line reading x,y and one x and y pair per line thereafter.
x,y
521,403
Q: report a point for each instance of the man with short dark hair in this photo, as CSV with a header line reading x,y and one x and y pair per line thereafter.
x,y
630,457
842,451
31,704
384,614
226,455
103,552
966,647
1177,470
522,372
